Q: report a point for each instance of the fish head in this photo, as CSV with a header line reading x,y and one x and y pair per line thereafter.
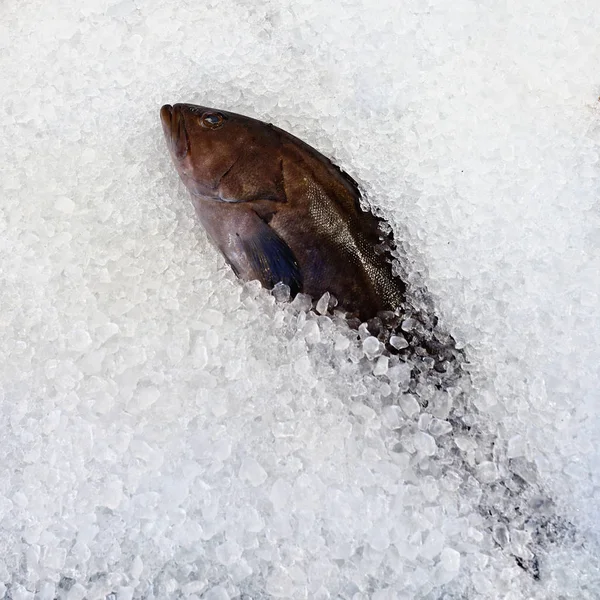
x,y
223,156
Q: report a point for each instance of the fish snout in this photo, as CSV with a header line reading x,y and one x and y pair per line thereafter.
x,y
173,123
166,117
166,112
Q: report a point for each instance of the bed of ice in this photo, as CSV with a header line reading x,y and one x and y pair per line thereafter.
x,y
169,433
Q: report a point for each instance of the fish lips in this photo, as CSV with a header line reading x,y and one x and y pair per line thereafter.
x,y
173,124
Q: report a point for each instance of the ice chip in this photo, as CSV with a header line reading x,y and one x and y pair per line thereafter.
x,y
433,545
65,205
392,417
323,303
311,332
193,588
398,342
381,366
79,339
408,324
516,447
450,560
147,396
409,404
47,591
466,444
279,585
302,302
501,534
400,374
137,566
200,354
372,347
379,538
216,593
77,592
229,552
341,342
252,472
439,427
424,421
18,592
424,443
212,316
521,543
280,494
281,292
487,472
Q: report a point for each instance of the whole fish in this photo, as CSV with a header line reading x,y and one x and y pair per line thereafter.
x,y
280,211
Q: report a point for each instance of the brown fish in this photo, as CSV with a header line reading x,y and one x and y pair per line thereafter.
x,y
281,211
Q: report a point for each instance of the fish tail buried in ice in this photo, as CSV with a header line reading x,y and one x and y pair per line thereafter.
x,y
279,210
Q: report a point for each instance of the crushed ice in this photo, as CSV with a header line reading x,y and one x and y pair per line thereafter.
x,y
169,432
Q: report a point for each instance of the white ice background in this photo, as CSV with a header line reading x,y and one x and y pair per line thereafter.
x,y
166,432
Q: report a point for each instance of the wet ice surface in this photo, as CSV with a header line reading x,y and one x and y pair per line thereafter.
x,y
170,433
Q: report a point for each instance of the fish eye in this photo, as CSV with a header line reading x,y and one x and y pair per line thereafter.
x,y
212,120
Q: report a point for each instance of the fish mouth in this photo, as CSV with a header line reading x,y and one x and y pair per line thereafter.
x,y
173,123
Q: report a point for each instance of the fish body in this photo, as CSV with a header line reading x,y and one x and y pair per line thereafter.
x,y
279,210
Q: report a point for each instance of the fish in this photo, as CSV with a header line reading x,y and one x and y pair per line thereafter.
x,y
280,211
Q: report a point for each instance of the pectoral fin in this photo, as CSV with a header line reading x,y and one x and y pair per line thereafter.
x,y
252,247
271,258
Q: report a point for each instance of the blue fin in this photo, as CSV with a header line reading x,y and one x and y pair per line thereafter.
x,y
272,258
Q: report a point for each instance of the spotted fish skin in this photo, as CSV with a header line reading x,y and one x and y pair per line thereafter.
x,y
279,210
